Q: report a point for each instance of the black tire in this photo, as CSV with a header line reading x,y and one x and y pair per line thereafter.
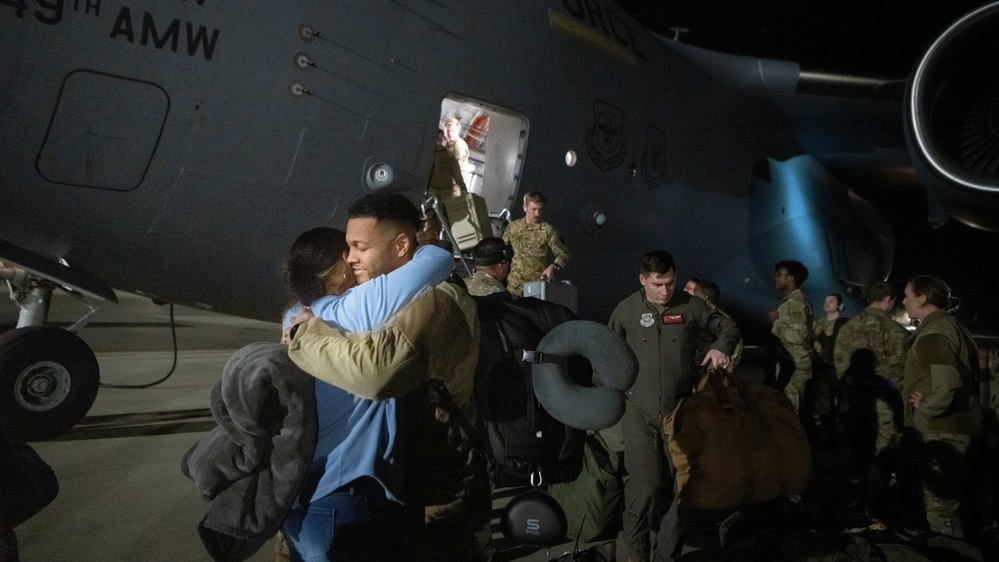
x,y
48,380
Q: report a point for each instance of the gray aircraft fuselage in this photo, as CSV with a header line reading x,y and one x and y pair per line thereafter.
x,y
176,149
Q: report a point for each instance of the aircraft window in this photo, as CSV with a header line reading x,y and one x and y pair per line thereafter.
x,y
497,140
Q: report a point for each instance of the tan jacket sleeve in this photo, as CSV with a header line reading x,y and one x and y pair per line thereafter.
x,y
433,336
944,378
375,365
933,376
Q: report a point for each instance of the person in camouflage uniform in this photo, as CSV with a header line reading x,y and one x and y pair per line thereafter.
x,y
875,330
710,292
449,175
492,266
989,360
940,392
538,250
792,325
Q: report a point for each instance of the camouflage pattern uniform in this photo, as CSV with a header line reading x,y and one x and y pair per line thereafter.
x,y
535,247
989,365
794,329
874,329
481,284
941,512
449,173
449,170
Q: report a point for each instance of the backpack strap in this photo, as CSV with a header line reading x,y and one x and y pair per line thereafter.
x,y
529,355
452,407
535,357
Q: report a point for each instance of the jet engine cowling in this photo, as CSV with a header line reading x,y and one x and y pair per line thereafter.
x,y
952,120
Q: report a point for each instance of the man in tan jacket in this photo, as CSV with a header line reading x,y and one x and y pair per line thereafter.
x,y
434,338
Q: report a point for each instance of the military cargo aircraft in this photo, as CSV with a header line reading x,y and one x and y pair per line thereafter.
x,y
176,149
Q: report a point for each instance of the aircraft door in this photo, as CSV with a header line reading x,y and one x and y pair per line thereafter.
x,y
496,140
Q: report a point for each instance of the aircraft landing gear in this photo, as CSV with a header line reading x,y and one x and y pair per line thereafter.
x,y
48,376
48,381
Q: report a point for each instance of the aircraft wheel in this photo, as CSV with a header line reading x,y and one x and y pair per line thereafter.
x,y
48,381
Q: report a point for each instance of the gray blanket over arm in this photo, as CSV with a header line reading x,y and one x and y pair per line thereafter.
x,y
252,466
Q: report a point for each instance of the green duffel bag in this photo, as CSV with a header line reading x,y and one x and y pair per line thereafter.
x,y
736,443
593,502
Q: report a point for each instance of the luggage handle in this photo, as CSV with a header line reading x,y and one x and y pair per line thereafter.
x,y
718,382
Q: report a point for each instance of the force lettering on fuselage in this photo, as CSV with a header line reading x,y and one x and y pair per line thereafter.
x,y
150,33
604,20
143,29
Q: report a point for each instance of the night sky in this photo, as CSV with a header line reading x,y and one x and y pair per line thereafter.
x,y
879,38
871,37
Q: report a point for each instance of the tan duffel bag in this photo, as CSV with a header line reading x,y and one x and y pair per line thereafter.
x,y
735,443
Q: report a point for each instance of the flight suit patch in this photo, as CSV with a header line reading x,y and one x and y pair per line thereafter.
x,y
672,318
647,320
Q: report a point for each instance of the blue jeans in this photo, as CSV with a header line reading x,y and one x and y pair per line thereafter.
x,y
354,523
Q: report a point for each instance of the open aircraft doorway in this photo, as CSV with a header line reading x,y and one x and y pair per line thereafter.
x,y
497,142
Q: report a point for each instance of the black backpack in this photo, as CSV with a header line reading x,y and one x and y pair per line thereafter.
x,y
518,434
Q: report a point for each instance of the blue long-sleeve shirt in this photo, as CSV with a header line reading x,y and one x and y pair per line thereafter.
x,y
357,437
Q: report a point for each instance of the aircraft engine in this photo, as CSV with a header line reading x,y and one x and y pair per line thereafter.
x,y
952,120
